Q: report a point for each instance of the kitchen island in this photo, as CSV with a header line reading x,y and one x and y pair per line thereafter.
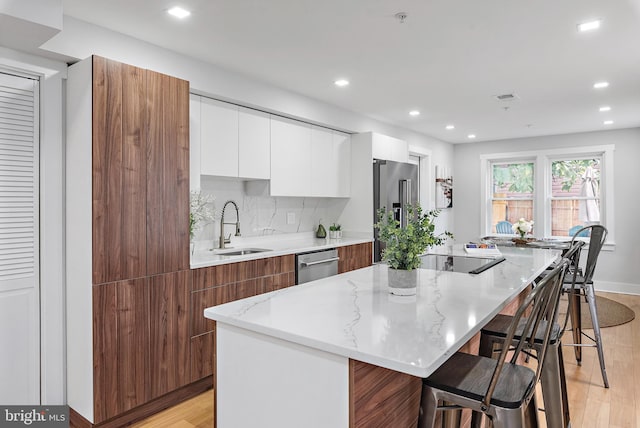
x,y
316,355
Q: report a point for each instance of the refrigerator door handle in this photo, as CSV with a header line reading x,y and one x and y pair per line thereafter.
x,y
405,199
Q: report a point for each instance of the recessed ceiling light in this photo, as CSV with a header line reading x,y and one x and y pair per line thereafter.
x,y
600,85
608,122
471,136
341,82
414,113
588,26
605,108
178,12
450,127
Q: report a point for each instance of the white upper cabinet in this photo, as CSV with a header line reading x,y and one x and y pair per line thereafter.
x,y
330,163
342,160
309,160
322,179
290,157
299,159
389,148
218,138
254,149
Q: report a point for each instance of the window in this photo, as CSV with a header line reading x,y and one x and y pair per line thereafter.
x,y
575,194
561,190
512,187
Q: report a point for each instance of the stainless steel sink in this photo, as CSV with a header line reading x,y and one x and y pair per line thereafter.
x,y
240,251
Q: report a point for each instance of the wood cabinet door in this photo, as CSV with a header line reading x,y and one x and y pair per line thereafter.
x,y
169,366
167,160
120,347
119,171
354,257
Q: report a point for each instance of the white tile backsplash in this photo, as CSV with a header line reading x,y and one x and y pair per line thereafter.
x,y
262,214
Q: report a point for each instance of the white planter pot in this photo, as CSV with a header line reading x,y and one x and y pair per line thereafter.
x,y
402,282
335,234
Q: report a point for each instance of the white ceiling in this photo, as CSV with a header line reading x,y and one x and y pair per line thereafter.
x,y
448,59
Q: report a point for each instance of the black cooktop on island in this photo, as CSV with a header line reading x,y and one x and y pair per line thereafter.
x,y
473,265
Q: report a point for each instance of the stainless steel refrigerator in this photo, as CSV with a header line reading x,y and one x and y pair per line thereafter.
x,y
395,185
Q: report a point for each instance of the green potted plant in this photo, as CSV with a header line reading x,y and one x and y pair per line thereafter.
x,y
335,231
404,246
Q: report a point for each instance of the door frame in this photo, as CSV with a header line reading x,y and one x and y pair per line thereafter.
x,y
52,221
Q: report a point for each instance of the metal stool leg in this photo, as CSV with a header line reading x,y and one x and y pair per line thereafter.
x,y
553,393
563,387
576,323
591,298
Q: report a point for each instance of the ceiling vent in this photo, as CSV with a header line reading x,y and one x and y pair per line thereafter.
x,y
505,97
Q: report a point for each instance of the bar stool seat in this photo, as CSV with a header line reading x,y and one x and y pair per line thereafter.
x,y
552,378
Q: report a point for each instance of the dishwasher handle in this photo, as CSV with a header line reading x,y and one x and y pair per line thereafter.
x,y
319,262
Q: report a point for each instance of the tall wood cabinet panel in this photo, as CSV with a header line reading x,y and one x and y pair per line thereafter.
x,y
168,174
119,172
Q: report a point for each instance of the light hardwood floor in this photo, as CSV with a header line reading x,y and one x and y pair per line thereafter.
x,y
590,404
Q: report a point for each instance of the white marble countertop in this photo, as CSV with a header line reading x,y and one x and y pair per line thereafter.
x,y
354,315
277,245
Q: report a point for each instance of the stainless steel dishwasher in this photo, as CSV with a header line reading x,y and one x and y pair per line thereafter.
x,y
316,264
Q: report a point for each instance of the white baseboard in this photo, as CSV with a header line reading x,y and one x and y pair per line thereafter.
x,y
617,287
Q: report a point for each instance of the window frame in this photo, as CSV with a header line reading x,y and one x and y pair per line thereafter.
x,y
542,160
491,198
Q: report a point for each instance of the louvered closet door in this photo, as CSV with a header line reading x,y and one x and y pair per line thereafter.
x,y
19,279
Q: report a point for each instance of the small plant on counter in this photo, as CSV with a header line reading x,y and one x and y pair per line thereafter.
x,y
404,246
335,231
201,211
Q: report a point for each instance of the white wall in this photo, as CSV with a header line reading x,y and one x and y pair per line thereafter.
x,y
616,269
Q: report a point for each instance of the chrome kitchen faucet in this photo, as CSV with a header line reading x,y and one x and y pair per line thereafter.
x,y
224,240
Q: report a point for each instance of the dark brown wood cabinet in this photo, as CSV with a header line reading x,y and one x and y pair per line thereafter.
x,y
169,332
120,342
139,249
355,256
167,184
140,172
119,149
220,284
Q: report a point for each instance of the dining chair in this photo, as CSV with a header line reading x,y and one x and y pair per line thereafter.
x,y
581,285
499,388
554,387
504,227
